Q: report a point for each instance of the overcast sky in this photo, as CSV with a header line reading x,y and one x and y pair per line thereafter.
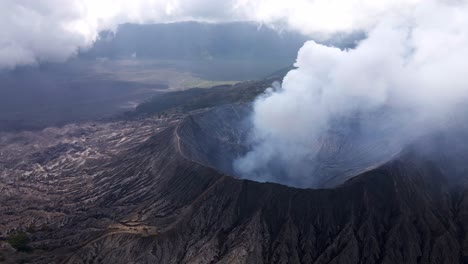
x,y
32,31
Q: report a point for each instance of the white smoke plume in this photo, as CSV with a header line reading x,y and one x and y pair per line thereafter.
x,y
413,64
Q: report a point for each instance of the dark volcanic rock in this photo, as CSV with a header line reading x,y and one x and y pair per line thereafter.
x,y
158,196
217,137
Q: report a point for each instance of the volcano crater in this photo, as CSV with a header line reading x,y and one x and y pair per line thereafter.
x,y
219,136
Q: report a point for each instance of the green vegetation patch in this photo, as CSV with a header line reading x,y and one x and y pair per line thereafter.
x,y
20,242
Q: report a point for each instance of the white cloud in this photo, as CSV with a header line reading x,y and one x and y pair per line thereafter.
x,y
324,16
52,30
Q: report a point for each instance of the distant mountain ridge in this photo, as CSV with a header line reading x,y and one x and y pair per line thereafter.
x,y
195,41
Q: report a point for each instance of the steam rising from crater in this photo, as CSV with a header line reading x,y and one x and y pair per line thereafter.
x,y
412,66
401,80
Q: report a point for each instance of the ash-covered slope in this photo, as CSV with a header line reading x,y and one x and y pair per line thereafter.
x,y
217,137
148,192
